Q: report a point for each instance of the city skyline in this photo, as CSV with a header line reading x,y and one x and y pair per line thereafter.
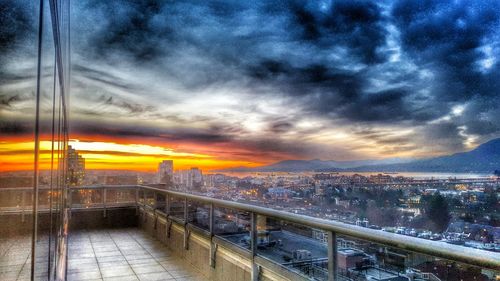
x,y
214,88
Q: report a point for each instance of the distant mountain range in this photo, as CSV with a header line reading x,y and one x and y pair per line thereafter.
x,y
317,165
483,159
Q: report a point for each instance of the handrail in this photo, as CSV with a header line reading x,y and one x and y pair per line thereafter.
x,y
456,253
470,256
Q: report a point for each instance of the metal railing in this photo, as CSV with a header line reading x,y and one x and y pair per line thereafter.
x,y
137,196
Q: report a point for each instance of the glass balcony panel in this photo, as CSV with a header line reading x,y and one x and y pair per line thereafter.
x,y
176,207
120,196
150,199
140,197
15,199
87,198
293,246
44,200
160,202
359,259
199,215
233,226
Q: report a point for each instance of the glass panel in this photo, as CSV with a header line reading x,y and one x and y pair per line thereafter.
x,y
233,225
87,198
141,197
120,196
13,199
358,259
160,202
149,198
296,247
199,215
176,207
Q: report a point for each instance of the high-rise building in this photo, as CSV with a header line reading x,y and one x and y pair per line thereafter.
x,y
197,178
166,172
189,179
185,179
76,167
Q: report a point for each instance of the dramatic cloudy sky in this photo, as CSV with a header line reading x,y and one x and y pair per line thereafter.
x,y
252,82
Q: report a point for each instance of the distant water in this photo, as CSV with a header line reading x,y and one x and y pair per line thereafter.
x,y
429,175
420,175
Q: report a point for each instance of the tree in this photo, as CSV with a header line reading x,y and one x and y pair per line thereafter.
x,y
438,212
363,206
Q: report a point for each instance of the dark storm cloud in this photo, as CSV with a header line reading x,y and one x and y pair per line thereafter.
x,y
15,128
455,40
150,32
338,93
448,36
9,101
384,105
285,50
359,25
16,22
480,118
6,101
444,136
335,86
221,135
130,107
6,77
102,77
381,64
130,27
209,135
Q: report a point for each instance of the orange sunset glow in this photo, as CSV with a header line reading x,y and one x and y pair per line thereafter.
x,y
17,155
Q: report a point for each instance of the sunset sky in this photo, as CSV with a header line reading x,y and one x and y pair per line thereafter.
x,y
218,84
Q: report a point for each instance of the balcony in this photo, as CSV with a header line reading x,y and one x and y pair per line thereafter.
x,y
102,254
146,233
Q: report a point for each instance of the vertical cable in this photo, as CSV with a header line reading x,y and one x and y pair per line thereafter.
x,y
59,167
68,82
52,167
37,142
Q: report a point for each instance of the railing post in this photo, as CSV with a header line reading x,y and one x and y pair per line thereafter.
x,y
167,205
137,200
253,247
211,220
213,247
168,223
185,211
70,200
186,231
104,189
332,256
156,219
155,201
70,196
23,203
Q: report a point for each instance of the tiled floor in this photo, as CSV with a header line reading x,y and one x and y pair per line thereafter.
x,y
15,258
118,254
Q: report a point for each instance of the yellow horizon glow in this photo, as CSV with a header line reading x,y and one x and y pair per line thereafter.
x,y
99,146
110,155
